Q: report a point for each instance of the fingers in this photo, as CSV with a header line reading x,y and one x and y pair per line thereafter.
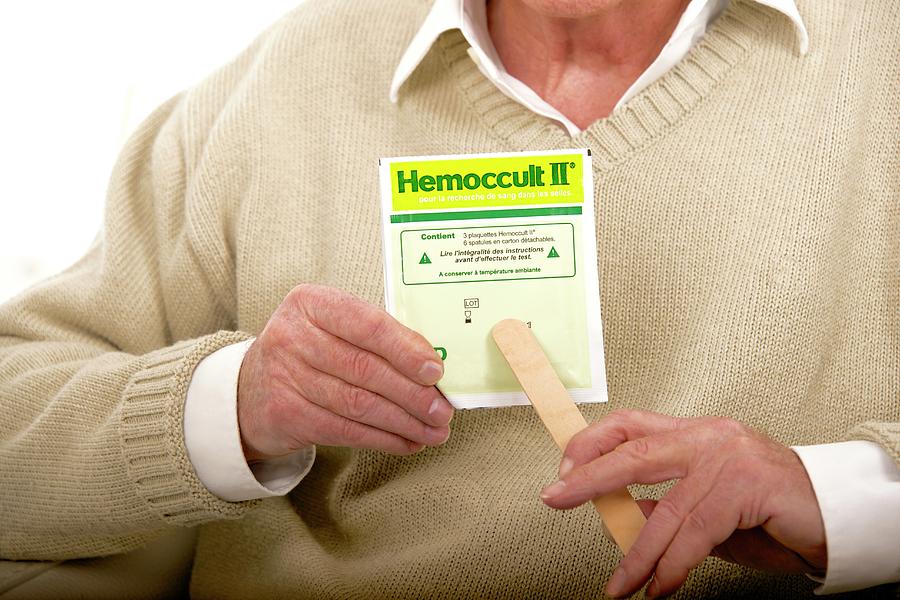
x,y
700,513
609,432
709,524
335,430
643,460
657,534
732,480
624,425
366,407
357,367
372,329
366,380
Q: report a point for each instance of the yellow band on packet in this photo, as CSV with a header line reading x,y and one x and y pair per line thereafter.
x,y
470,240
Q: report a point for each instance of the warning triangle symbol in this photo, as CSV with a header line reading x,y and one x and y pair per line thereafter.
x,y
553,253
424,260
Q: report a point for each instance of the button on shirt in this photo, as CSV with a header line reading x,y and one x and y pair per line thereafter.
x,y
857,483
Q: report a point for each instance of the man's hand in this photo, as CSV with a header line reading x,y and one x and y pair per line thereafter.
x,y
741,496
331,369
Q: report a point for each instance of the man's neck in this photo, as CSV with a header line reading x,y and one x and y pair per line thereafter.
x,y
583,64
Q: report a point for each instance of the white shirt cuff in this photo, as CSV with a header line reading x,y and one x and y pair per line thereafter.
x,y
857,485
213,439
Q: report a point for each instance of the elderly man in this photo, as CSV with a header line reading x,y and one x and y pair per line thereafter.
x,y
745,162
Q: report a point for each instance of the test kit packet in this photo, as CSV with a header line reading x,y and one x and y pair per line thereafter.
x,y
470,240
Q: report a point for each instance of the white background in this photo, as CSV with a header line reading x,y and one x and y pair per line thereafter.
x,y
77,78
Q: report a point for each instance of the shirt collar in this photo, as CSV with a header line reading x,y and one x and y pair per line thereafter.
x,y
469,16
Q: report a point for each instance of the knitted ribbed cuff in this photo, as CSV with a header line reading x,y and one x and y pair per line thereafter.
x,y
153,434
887,435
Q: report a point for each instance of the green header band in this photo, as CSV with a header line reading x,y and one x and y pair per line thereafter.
x,y
486,214
486,182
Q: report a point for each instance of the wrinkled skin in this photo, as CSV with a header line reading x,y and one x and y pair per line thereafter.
x,y
331,369
740,496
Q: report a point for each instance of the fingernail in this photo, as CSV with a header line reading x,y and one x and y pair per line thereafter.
x,y
553,490
436,436
440,410
431,372
616,585
565,466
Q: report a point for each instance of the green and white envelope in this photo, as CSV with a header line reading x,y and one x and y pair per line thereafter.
x,y
470,240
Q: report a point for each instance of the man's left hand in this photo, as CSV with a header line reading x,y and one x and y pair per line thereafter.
x,y
740,496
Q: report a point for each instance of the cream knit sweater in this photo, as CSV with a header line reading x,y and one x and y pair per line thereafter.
x,y
749,241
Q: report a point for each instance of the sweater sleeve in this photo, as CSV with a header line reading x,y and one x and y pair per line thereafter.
x,y
95,362
886,434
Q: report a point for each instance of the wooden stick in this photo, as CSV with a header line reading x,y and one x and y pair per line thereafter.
x,y
620,513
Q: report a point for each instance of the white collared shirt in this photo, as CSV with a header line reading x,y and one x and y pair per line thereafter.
x,y
469,16
857,483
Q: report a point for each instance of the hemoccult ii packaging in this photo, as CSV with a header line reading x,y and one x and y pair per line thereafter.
x,y
470,240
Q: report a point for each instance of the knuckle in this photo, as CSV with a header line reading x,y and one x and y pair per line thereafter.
x,y
378,326
578,448
638,449
696,521
303,294
590,443
668,512
348,431
316,302
362,366
597,447
302,289
382,327
744,446
582,437
729,425
277,335
592,430
359,404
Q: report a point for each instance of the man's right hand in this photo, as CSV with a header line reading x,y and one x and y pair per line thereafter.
x,y
331,369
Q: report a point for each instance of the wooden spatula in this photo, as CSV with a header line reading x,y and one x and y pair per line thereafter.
x,y
620,513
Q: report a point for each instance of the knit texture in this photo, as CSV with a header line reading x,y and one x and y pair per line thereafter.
x,y
886,434
749,250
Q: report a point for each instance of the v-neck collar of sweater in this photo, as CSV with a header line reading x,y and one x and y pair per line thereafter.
x,y
470,18
651,113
